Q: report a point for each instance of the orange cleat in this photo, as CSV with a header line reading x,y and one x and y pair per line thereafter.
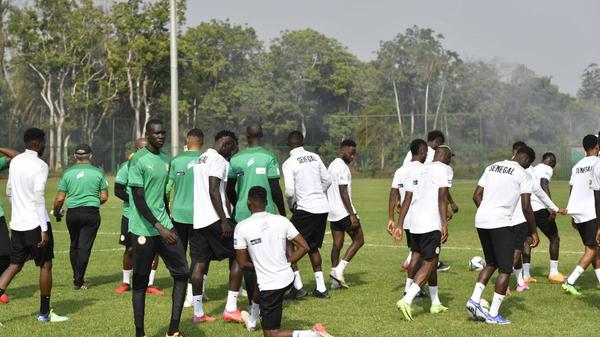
x,y
154,290
233,316
4,299
202,319
124,287
530,280
558,278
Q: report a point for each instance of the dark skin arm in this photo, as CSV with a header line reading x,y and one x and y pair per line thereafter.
x,y
103,196
528,213
393,200
121,192
443,197
217,203
243,260
478,196
277,195
545,184
231,191
453,205
348,206
398,232
9,153
139,201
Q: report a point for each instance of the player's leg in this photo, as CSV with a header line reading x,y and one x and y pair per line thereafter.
x,y
87,236
252,316
336,247
358,240
503,245
144,250
201,254
587,232
184,233
520,231
474,303
550,230
153,289
4,252
299,219
74,227
318,223
597,265
125,240
176,262
436,304
43,259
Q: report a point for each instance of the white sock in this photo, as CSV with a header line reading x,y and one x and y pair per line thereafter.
x,y
127,276
409,257
433,292
189,296
409,282
341,266
575,275
198,307
553,267
597,274
304,333
496,302
254,311
231,301
151,278
297,280
526,273
477,292
519,276
412,293
320,281
203,283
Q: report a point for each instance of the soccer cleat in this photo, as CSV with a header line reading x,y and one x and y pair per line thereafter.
x,y
476,311
405,308
84,286
530,280
52,317
233,316
437,308
296,294
4,299
497,320
318,294
338,277
442,266
335,284
124,287
248,321
570,289
557,278
319,329
187,303
405,264
154,290
522,288
177,334
203,319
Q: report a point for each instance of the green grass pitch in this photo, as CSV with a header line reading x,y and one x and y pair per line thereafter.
x,y
366,309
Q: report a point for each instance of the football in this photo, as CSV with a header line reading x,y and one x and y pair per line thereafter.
x,y
476,263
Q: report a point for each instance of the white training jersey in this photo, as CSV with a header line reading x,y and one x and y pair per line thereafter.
x,y
402,178
264,235
306,180
540,171
339,172
503,183
581,204
429,159
210,164
27,177
538,193
427,180
596,177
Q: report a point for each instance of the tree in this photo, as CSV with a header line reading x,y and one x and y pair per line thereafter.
x,y
590,83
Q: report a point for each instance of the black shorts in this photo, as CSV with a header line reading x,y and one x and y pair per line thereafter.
x,y
343,225
271,308
146,247
521,234
4,238
125,238
185,232
427,244
206,244
498,247
23,247
587,232
547,227
409,239
311,227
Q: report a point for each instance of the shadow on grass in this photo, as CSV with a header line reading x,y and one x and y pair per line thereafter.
x,y
592,300
72,306
188,329
100,280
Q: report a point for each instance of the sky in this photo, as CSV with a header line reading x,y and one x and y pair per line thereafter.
x,y
552,37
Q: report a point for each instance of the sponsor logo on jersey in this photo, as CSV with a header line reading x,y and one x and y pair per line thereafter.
x,y
250,162
261,170
255,241
180,173
80,174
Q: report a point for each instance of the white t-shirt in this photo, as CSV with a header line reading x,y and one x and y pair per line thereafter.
x,y
538,193
596,177
429,159
503,183
264,235
340,175
581,202
210,164
427,180
25,189
402,178
541,171
306,180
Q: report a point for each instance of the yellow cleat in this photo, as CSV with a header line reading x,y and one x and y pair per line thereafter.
x,y
177,334
558,278
530,280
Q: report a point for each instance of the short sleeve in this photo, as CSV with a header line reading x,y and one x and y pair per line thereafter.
x,y
3,163
396,179
526,186
343,177
62,184
483,180
408,158
411,183
238,240
572,180
172,169
445,177
596,177
291,232
547,173
135,175
218,168
233,169
273,168
103,183
122,174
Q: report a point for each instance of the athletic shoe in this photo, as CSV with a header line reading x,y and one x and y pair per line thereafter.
x,y
497,320
319,294
522,288
338,277
4,299
319,329
422,294
187,303
124,287
233,316
406,265
406,309
476,311
250,324
177,334
242,293
530,280
442,266
203,319
84,286
52,317
557,278
570,289
335,284
437,308
296,294
154,290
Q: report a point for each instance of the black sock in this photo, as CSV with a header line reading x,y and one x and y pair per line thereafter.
x,y
178,297
173,327
44,305
1,291
139,332
139,304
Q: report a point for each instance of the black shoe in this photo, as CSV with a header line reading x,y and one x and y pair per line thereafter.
x,y
318,294
296,294
442,266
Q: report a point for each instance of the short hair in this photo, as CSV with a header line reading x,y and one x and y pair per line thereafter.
x,y
257,192
153,121
527,151
518,144
195,133
32,134
548,155
296,137
226,133
589,142
348,143
417,144
435,134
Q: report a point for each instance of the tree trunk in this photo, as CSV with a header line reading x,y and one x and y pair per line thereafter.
x,y
398,109
60,122
412,115
425,126
439,104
